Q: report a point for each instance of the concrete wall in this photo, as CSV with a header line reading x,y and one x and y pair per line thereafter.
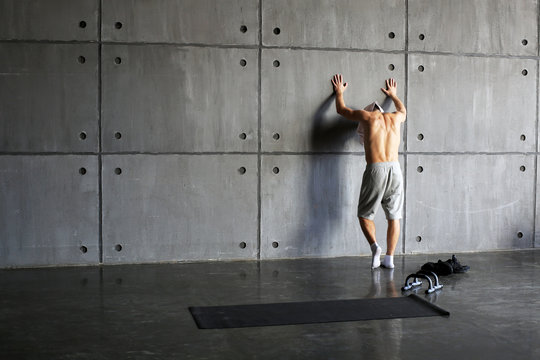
x,y
180,130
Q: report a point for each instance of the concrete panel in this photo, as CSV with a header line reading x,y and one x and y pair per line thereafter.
x,y
49,20
471,104
48,97
182,21
297,96
179,207
371,24
309,207
479,26
469,203
49,210
170,99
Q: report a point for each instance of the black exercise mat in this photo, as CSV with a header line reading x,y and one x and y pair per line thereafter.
x,y
310,312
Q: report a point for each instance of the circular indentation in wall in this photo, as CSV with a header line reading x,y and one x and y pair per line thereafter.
x,y
276,63
275,170
277,31
82,171
117,171
524,42
83,249
275,244
117,60
418,238
522,168
522,137
420,137
117,135
242,245
524,72
82,24
391,35
421,37
391,67
419,169
242,136
242,170
118,281
421,68
275,273
118,247
82,59
520,234
243,28
82,135
118,25
276,136
243,62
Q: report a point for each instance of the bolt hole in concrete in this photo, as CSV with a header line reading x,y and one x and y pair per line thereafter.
x,y
82,59
275,170
391,67
276,63
520,234
524,42
522,168
522,137
242,245
418,238
421,68
117,60
242,170
242,136
82,24
275,136
420,137
82,171
118,247
117,171
419,169
243,28
82,135
524,72
277,31
118,25
391,35
84,249
243,62
421,37
275,244
117,135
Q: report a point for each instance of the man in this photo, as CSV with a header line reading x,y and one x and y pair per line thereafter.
x,y
382,181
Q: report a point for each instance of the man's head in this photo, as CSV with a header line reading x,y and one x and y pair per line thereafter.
x,y
374,106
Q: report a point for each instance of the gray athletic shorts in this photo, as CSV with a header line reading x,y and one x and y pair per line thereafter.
x,y
381,183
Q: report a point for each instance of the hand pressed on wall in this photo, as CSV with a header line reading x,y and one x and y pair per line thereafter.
x,y
339,85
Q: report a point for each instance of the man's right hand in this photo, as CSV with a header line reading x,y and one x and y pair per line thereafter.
x,y
391,88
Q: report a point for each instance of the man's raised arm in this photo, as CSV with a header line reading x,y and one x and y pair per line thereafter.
x,y
391,91
341,108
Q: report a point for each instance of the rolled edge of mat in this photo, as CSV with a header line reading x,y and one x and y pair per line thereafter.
x,y
427,303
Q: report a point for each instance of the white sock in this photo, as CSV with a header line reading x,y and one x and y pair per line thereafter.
x,y
375,256
388,261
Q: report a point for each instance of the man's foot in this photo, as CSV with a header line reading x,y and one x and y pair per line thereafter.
x,y
388,262
375,256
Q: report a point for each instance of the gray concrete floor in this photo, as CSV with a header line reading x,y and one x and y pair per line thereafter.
x,y
140,311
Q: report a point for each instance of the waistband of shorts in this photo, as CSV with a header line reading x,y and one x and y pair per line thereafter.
x,y
383,165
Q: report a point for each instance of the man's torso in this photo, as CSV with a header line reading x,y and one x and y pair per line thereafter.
x,y
381,137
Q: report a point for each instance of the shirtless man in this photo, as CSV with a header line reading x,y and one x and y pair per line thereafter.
x,y
382,181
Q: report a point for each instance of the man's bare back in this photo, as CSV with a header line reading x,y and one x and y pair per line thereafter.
x,y
381,130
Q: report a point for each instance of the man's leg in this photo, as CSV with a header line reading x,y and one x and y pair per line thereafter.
x,y
392,237
368,228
